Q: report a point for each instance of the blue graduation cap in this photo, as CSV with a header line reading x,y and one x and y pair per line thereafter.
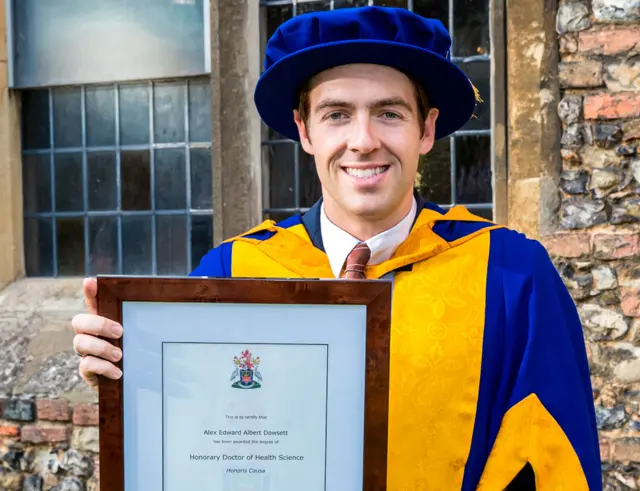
x,y
310,43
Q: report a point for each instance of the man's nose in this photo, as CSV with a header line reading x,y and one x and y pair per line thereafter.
x,y
363,138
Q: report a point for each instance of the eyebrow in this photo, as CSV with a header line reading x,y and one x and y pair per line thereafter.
x,y
390,101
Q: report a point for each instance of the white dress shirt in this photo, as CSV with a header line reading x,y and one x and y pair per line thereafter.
x,y
338,243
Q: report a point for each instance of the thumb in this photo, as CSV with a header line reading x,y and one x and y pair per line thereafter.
x,y
90,289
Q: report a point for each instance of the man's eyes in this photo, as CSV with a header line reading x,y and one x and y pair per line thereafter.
x,y
337,116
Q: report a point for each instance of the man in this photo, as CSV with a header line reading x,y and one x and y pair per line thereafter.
x,y
489,384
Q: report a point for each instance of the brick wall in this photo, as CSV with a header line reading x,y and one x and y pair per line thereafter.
x,y
598,250
48,444
48,415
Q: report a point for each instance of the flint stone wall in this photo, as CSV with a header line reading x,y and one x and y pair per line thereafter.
x,y
48,416
597,250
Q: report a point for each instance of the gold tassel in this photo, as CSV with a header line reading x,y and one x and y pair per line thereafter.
x,y
478,98
477,92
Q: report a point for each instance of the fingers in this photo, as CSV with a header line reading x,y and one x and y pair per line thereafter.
x,y
91,367
92,346
90,289
99,355
94,325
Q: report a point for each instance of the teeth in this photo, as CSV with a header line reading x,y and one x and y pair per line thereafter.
x,y
364,172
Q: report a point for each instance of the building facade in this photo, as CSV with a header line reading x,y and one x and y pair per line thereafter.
x,y
129,144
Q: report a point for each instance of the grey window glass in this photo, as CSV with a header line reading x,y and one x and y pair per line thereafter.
x,y
479,73
101,194
201,237
70,239
38,251
67,108
137,244
68,178
36,183
101,116
340,4
471,27
136,180
310,190
170,179
35,113
201,179
433,9
172,245
103,245
434,177
102,181
392,3
473,172
133,101
303,8
282,167
64,42
169,104
200,111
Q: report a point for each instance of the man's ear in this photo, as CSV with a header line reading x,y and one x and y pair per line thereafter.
x,y
305,141
429,136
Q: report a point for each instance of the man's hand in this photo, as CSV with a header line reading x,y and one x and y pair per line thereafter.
x,y
98,355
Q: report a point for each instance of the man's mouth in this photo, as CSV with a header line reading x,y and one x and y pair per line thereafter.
x,y
365,173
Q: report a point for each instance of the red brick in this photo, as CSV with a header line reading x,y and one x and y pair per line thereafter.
x,y
630,302
45,434
586,73
568,245
53,409
626,450
610,42
606,106
616,246
86,415
9,430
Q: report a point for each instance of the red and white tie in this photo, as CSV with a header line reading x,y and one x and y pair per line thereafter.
x,y
356,262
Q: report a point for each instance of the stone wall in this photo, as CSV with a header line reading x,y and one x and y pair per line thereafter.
x,y
49,444
598,249
48,415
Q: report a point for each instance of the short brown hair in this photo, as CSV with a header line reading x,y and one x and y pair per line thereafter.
x,y
422,101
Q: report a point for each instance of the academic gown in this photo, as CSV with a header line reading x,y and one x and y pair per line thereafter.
x,y
489,382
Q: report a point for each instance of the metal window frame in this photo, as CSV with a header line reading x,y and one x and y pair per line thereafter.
x,y
117,148
497,130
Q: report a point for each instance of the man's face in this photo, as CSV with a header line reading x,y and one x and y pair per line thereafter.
x,y
365,134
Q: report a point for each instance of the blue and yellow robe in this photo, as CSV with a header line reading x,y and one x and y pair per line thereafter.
x,y
489,382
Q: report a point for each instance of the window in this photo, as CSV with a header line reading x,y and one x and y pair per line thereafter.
x,y
116,134
117,178
458,168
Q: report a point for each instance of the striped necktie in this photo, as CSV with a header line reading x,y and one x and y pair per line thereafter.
x,y
356,261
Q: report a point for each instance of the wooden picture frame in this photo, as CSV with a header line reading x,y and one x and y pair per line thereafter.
x,y
114,291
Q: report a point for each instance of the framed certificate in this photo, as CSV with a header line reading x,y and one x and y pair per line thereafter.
x,y
246,385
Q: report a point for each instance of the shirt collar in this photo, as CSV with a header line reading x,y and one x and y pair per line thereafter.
x,y
338,243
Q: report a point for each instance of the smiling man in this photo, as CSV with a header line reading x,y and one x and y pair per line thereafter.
x,y
489,383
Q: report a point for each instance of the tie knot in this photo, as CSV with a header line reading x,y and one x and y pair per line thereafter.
x,y
356,262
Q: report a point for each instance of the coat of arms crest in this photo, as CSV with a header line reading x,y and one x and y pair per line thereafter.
x,y
246,374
